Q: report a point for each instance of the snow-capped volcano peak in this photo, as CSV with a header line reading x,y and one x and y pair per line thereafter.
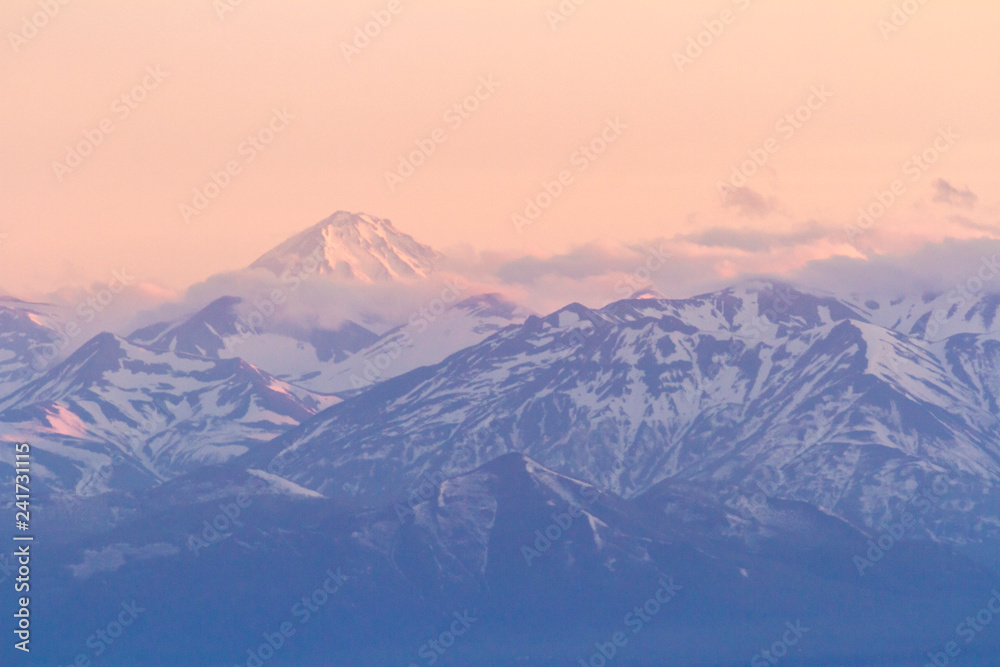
x,y
352,246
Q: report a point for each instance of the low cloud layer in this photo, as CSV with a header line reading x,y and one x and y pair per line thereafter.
x,y
593,274
946,193
933,268
756,240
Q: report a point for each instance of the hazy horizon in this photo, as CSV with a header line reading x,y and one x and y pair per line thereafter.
x,y
676,120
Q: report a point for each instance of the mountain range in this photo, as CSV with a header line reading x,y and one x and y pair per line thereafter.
x,y
752,453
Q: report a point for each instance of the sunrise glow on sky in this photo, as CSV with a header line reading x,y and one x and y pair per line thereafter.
x,y
828,105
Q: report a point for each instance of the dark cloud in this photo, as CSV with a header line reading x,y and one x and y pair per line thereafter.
x,y
946,193
972,224
748,202
935,267
754,240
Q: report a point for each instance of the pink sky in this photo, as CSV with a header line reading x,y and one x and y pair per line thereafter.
x,y
681,130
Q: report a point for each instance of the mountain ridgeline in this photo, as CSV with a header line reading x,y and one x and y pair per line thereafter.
x,y
656,481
